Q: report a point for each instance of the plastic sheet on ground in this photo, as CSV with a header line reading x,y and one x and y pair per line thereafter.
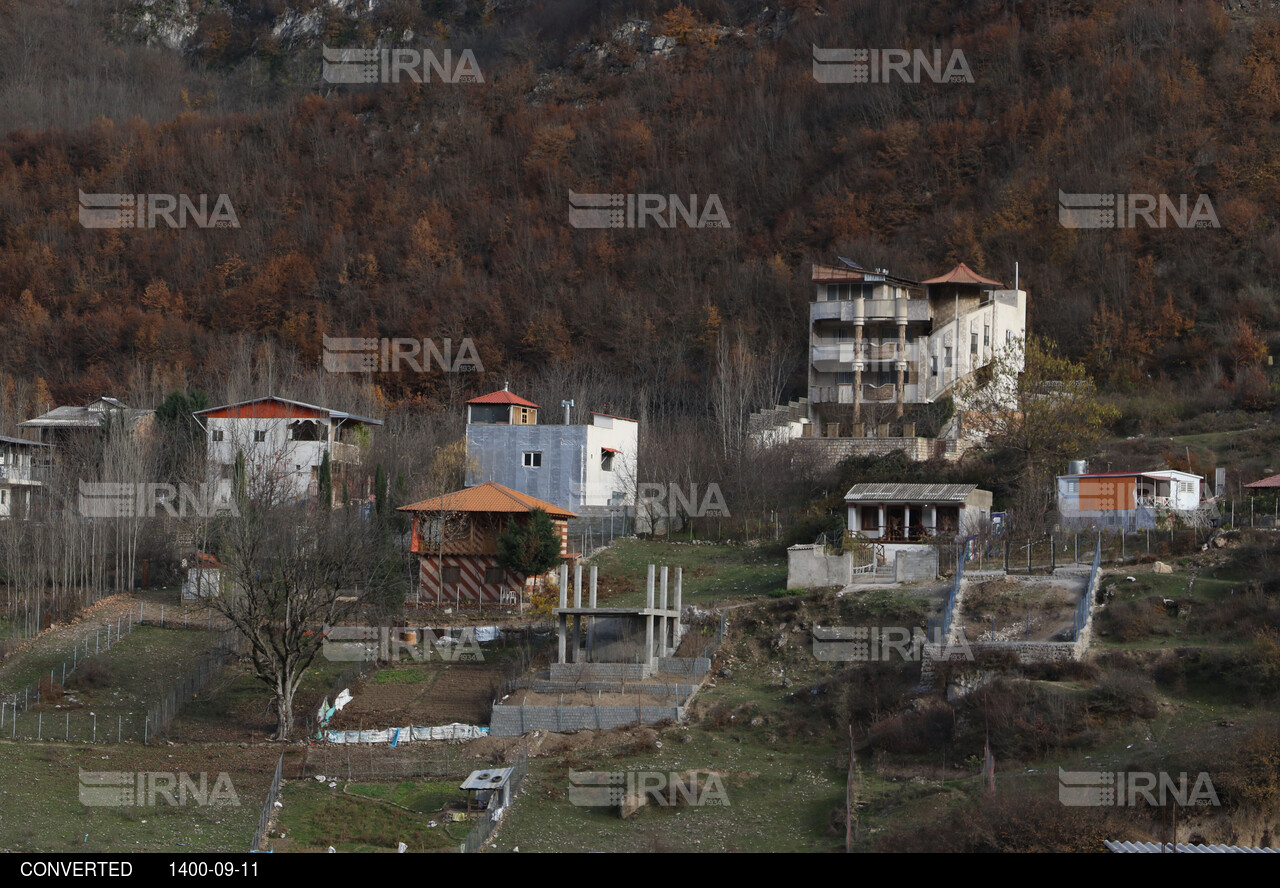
x,y
397,736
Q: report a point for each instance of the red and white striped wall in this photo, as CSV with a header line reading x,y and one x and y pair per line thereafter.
x,y
471,585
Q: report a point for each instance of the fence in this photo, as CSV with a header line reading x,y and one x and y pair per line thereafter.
x,y
1085,606
17,722
1044,554
940,627
267,809
436,761
493,812
34,694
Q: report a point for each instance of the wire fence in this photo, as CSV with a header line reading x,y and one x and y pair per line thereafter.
x,y
1047,553
382,762
493,812
1081,618
268,808
939,627
101,640
50,710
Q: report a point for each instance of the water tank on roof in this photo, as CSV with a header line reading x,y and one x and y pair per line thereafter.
x,y
1077,467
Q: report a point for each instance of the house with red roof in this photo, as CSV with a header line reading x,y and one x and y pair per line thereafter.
x,y
880,343
455,537
283,444
587,467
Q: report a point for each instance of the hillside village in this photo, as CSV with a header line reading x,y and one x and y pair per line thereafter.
x,y
872,542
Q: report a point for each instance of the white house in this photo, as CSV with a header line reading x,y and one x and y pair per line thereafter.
x,y
574,467
901,513
23,471
1128,500
283,443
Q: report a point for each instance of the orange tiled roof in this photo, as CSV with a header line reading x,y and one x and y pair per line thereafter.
x,y
962,274
502,397
487,497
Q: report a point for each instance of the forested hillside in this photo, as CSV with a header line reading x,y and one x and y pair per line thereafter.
x,y
441,209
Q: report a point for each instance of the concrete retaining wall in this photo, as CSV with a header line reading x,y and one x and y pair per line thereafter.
x,y
809,567
915,567
580,672
512,721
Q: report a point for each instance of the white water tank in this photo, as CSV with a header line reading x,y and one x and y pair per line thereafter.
x,y
1077,467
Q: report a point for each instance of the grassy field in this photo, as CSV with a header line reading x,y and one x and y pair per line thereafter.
x,y
713,574
369,817
41,806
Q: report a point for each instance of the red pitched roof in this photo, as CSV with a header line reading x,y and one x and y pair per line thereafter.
x,y
502,397
1273,481
487,497
962,274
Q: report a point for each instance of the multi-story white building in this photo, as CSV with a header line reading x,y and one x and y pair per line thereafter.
x,y
883,341
23,471
574,467
284,443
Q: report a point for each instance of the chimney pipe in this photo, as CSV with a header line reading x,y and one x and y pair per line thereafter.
x,y
566,405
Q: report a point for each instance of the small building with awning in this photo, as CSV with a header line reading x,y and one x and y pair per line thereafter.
x,y
904,513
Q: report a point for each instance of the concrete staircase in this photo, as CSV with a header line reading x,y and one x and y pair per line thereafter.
x,y
778,417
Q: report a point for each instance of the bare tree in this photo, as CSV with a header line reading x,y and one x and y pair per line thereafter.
x,y
292,572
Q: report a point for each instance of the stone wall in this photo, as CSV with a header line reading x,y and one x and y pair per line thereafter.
x,y
512,721
809,567
915,567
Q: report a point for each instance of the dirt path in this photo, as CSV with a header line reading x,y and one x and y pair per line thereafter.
x,y
55,644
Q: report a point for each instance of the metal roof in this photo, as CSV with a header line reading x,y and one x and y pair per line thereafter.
x,y
502,397
963,274
490,779
88,416
909,493
1180,848
487,497
333,414
5,439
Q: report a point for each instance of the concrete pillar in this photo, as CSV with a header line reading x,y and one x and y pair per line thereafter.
x,y
906,521
901,356
648,595
577,585
662,621
564,585
881,521
648,639
577,636
675,629
857,371
592,593
560,623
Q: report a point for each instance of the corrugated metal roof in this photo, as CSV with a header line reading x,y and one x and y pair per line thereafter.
x,y
963,274
1180,848
487,497
7,440
910,493
502,397
331,413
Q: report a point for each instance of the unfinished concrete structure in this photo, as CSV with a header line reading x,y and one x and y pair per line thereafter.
x,y
613,632
627,653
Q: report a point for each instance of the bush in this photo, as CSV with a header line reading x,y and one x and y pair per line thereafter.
x,y
92,674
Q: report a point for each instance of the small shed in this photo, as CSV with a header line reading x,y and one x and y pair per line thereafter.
x,y
484,784
204,577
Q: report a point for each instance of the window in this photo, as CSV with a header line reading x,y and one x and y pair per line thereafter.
x,y
606,460
986,334
947,361
259,435
533,459
4,497
215,435
493,576
451,575
1186,487
842,335
1008,337
1073,487
933,365
973,342
833,292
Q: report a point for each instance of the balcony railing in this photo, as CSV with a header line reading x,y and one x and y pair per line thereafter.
x,y
345,453
886,392
24,474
